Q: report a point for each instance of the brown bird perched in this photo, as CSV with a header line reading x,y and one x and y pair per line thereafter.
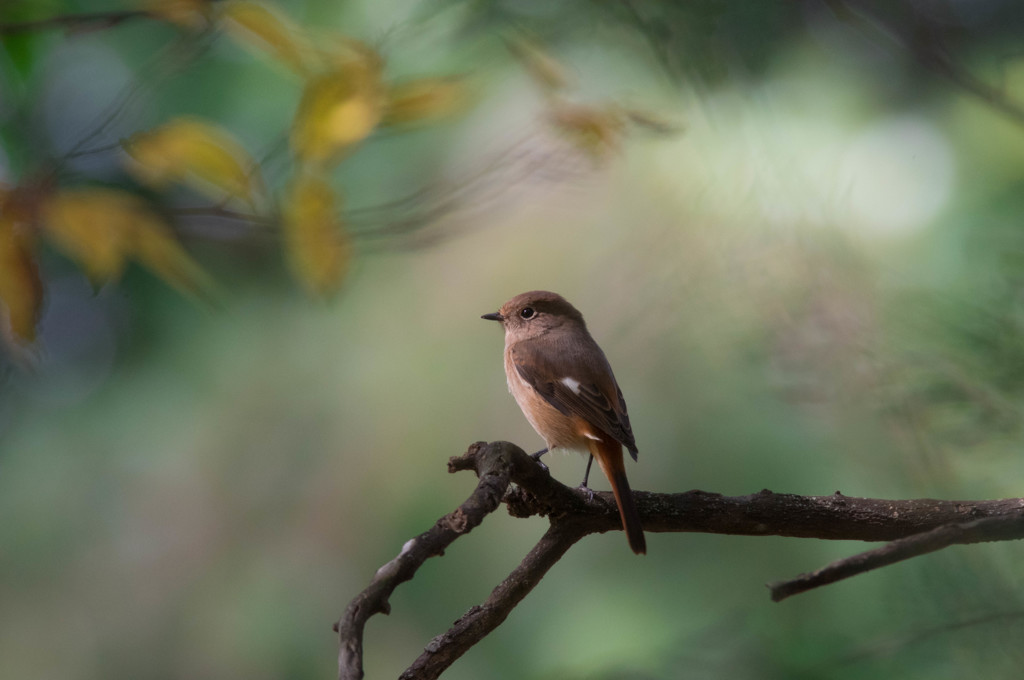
x,y
562,381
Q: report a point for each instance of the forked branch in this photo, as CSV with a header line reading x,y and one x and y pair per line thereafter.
x,y
915,527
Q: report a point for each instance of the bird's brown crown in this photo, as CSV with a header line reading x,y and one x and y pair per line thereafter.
x,y
539,309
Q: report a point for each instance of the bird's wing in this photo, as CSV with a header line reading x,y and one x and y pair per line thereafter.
x,y
577,383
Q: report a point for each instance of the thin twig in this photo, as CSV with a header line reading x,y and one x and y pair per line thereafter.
x,y
174,57
106,148
222,212
522,161
86,21
479,621
1003,528
921,40
890,642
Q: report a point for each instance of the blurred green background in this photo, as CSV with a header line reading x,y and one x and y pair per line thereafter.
x,y
813,284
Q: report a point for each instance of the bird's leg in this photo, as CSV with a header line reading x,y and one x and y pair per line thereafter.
x,y
586,475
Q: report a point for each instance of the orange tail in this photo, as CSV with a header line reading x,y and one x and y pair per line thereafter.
x,y
609,457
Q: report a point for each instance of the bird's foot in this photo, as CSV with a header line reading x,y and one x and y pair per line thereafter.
x,y
536,456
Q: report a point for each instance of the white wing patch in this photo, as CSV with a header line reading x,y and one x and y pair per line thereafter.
x,y
573,385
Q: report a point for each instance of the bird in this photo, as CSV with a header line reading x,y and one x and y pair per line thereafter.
x,y
565,387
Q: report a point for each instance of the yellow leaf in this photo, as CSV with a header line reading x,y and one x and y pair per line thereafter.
x,y
195,152
90,225
192,14
317,247
153,244
424,100
100,228
21,290
267,28
338,110
596,130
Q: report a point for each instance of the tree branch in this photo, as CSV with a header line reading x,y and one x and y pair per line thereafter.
x,y
921,38
475,624
915,527
494,468
1000,528
835,517
78,22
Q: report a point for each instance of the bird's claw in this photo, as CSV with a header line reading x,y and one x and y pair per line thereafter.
x,y
536,456
587,492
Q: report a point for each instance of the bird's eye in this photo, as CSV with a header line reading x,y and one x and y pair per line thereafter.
x,y
526,312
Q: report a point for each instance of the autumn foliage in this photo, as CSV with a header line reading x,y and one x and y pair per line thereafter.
x,y
345,97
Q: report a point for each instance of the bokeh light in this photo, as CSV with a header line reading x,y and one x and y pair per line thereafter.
x,y
798,244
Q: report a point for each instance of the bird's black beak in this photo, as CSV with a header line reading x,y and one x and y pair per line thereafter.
x,y
493,316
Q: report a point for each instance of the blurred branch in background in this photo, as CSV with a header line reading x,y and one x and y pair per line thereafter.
x,y
938,37
89,21
923,35
916,527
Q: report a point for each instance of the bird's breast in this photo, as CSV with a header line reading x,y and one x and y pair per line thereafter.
x,y
557,429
